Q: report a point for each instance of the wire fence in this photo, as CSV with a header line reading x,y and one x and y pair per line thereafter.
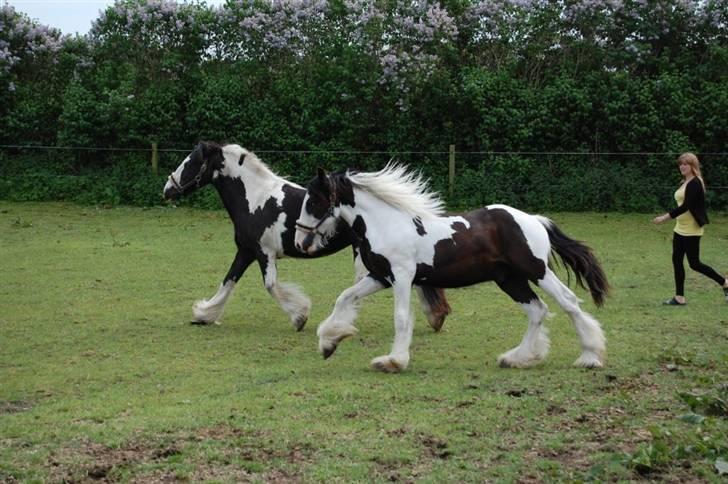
x,y
361,152
465,178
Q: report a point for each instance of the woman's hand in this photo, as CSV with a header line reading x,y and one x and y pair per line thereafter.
x,y
661,218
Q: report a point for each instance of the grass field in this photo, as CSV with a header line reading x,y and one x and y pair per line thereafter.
x,y
103,378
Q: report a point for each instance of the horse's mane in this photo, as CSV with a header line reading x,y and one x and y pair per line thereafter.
x,y
401,188
251,161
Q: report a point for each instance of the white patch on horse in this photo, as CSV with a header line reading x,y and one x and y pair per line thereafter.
x,y
260,182
177,174
381,227
271,237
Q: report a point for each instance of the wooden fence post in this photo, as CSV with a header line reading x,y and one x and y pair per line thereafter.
x,y
155,159
451,171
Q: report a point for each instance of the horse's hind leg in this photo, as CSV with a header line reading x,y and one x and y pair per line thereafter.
x,y
208,311
535,343
591,337
434,304
289,296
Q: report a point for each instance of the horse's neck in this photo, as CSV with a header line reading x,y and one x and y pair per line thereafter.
x,y
254,177
254,186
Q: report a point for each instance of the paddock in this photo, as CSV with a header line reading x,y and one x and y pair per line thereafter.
x,y
103,377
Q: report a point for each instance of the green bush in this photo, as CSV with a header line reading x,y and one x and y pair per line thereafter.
x,y
341,84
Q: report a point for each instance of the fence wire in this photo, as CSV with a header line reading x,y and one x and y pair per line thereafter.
x,y
465,178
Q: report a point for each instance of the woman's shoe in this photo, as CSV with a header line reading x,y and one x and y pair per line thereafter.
x,y
674,302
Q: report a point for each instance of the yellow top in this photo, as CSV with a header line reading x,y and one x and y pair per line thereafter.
x,y
685,223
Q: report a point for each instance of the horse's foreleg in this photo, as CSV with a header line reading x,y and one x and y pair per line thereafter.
x,y
434,304
360,270
398,359
535,343
340,324
591,337
289,296
210,310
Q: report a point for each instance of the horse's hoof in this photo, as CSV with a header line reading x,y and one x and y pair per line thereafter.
x,y
204,323
387,364
591,364
300,322
437,323
590,359
326,352
505,364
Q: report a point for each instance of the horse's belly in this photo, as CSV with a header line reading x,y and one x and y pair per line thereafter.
x,y
460,273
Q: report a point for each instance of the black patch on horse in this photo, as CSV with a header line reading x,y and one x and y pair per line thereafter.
x,y
378,265
344,190
420,228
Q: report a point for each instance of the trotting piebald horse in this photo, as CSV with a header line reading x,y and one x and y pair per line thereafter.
x,y
405,238
263,208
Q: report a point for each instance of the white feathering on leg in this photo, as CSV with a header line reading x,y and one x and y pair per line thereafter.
x,y
210,310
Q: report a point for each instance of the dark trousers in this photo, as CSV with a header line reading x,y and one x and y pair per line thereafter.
x,y
690,246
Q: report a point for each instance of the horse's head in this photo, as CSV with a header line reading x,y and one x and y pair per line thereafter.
x,y
197,170
319,213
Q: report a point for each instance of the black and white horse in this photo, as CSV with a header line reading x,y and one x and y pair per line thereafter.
x,y
405,239
263,208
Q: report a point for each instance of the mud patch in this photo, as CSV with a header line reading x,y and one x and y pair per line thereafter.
x,y
435,447
88,461
15,406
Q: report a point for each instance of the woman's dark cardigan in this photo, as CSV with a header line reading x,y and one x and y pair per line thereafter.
x,y
694,201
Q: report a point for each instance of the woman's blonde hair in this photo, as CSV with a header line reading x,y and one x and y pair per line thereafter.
x,y
692,160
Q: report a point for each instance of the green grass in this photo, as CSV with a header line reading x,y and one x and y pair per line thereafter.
x,y
103,377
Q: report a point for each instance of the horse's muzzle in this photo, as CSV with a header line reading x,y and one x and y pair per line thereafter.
x,y
170,192
306,244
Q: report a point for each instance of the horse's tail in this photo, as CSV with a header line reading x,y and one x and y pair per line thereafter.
x,y
579,259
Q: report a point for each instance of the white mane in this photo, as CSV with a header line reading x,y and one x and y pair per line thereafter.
x,y
250,162
400,188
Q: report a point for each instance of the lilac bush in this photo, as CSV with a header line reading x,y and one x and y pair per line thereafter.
x,y
250,30
161,36
407,40
23,43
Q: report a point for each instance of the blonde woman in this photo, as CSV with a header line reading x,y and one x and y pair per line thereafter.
x,y
690,216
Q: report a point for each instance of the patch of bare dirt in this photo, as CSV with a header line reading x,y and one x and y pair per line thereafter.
x,y
88,461
435,447
601,431
15,406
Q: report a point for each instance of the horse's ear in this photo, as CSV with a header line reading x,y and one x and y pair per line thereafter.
x,y
202,148
321,174
208,149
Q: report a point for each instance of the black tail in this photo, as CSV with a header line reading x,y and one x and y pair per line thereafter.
x,y
579,259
